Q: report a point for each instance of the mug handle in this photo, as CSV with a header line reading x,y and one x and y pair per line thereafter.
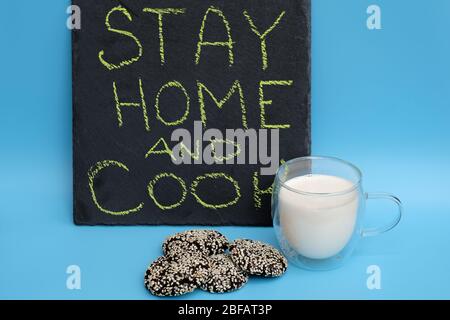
x,y
379,230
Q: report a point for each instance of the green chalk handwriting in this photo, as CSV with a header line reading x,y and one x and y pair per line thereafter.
x,y
161,12
156,149
142,104
151,193
263,103
93,172
172,84
213,176
228,43
263,36
258,192
221,158
185,150
220,103
112,66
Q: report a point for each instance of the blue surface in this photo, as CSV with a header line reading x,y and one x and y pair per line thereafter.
x,y
380,100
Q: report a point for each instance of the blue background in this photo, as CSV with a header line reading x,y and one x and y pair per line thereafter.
x,y
380,100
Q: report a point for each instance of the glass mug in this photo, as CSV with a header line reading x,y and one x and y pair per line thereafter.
x,y
317,208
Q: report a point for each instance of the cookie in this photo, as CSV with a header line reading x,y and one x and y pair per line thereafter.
x,y
175,277
258,258
206,242
224,275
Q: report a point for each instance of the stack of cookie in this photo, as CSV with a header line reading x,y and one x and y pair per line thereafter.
x,y
205,259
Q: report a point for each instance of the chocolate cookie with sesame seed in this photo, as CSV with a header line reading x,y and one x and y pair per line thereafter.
x,y
206,242
258,258
175,277
224,275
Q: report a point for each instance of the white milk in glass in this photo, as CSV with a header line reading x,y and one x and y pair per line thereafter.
x,y
318,226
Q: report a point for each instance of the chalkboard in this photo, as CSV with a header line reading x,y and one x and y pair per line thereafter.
x,y
182,110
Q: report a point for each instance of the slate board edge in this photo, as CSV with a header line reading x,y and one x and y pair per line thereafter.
x,y
308,139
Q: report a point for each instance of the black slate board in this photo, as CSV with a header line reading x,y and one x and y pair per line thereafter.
x,y
112,174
